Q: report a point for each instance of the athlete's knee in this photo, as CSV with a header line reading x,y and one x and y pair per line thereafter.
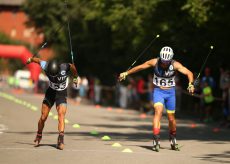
x,y
61,116
45,112
44,117
158,110
61,113
171,117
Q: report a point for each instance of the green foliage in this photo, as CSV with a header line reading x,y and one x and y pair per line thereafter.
x,y
107,35
199,10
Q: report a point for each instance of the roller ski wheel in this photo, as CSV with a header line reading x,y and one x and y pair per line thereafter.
x,y
156,148
60,146
37,140
60,142
175,147
156,143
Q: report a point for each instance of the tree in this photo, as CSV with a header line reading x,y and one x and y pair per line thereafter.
x,y
108,35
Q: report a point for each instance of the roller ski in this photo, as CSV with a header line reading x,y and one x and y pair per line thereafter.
x,y
174,145
38,139
156,143
60,141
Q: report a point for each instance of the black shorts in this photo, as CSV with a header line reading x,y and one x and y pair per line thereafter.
x,y
53,96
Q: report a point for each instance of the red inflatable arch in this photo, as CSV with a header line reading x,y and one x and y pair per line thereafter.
x,y
21,52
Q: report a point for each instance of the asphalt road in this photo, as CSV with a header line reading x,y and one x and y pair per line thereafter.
x,y
130,136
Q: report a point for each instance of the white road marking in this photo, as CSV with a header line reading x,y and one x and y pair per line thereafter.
x,y
2,128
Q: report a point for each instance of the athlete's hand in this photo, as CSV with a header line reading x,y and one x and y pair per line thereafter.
x,y
29,60
76,80
191,88
123,76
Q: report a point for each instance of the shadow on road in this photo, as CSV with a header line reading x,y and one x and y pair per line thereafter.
x,y
40,145
219,158
144,132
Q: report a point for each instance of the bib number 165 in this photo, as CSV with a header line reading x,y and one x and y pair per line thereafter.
x,y
163,82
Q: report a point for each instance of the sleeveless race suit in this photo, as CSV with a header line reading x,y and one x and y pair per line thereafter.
x,y
164,78
57,91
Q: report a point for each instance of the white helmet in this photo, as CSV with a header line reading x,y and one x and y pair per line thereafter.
x,y
166,53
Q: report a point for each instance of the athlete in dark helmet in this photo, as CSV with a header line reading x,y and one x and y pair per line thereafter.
x,y
56,93
53,67
164,91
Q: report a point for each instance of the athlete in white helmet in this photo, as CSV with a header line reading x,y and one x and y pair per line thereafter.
x,y
164,91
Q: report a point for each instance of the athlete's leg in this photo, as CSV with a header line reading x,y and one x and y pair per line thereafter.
x,y
61,105
61,109
46,106
157,117
44,114
172,131
41,123
172,124
170,107
158,102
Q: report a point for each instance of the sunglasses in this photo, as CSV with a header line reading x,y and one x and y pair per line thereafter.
x,y
167,62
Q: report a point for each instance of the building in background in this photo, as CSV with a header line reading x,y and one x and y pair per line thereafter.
x,y
13,24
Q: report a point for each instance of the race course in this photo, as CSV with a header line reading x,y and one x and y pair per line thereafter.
x,y
102,135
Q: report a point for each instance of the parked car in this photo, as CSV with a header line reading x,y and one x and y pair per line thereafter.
x,y
24,81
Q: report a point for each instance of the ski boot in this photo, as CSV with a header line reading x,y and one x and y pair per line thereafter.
x,y
60,141
156,143
38,139
174,145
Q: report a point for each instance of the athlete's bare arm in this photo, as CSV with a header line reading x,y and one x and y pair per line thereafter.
x,y
147,64
178,66
34,60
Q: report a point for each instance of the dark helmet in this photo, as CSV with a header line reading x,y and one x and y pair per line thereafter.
x,y
53,67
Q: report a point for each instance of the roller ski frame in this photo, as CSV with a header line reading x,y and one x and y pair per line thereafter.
x,y
60,142
38,139
174,145
156,143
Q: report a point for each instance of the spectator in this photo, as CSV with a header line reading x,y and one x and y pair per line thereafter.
x,y
91,88
225,87
150,94
132,93
123,99
141,93
208,101
208,78
83,87
97,91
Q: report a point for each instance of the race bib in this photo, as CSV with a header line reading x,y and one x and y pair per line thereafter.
x,y
59,86
164,82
